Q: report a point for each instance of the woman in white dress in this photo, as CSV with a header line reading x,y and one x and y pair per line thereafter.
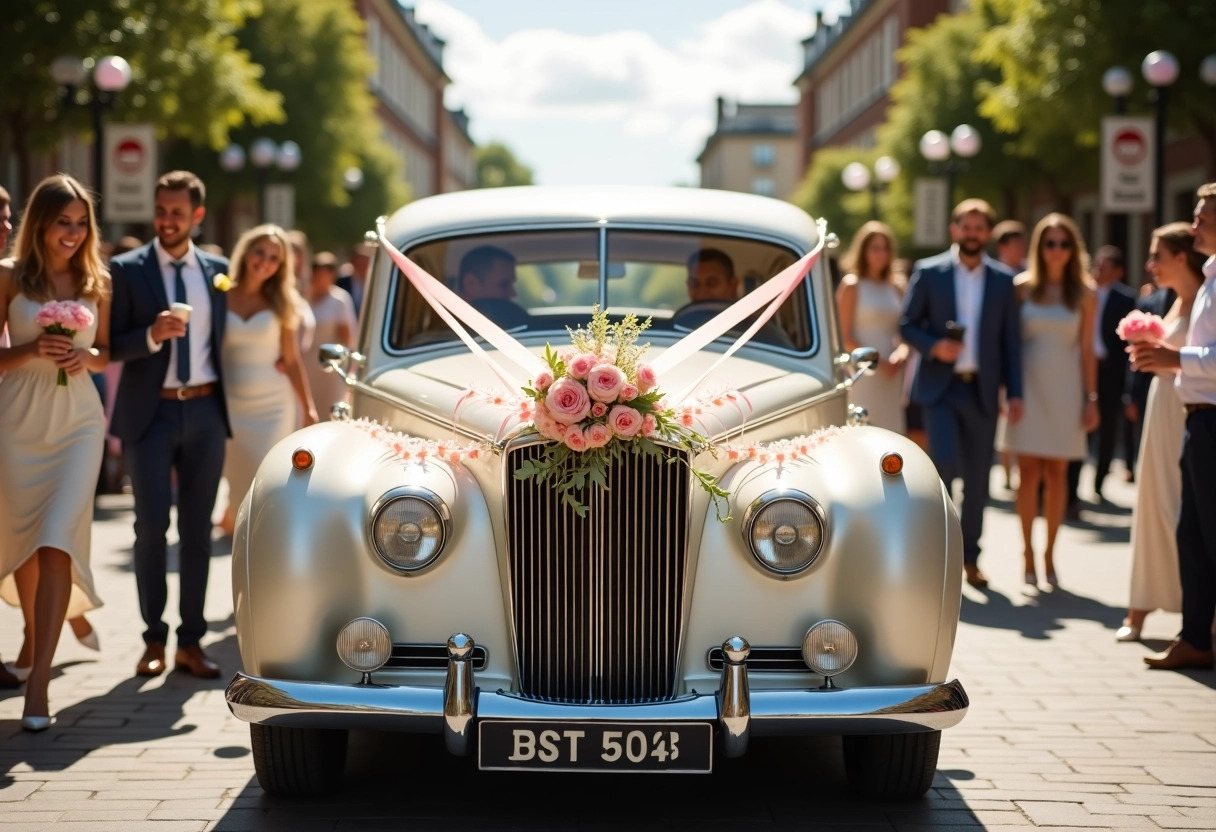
x,y
1059,380
1155,584
869,299
263,315
51,434
335,314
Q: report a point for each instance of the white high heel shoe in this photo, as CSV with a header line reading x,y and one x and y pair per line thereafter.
x,y
22,673
1127,633
90,639
35,724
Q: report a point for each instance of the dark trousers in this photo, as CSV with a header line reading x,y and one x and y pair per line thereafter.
x,y
961,435
187,437
1197,529
1113,424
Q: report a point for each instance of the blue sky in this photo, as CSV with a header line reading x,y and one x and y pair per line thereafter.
x,y
615,91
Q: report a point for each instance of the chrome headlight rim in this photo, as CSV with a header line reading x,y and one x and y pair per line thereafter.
x,y
769,498
425,495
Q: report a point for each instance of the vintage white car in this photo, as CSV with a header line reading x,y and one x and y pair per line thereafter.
x,y
755,572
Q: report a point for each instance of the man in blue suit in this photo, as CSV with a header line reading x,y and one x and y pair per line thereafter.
x,y
961,314
170,412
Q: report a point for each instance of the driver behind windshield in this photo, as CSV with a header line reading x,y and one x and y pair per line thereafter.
x,y
487,273
711,277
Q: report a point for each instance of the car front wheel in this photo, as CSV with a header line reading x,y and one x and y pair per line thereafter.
x,y
892,766
298,762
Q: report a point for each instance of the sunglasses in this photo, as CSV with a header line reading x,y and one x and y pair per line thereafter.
x,y
1060,244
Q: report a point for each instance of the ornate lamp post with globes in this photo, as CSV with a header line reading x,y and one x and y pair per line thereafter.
x,y
1160,69
1118,82
950,155
856,177
264,154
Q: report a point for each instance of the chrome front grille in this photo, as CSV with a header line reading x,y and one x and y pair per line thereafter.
x,y
597,601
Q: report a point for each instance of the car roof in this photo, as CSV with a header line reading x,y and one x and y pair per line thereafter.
x,y
549,205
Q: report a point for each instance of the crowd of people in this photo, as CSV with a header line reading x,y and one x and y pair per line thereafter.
x,y
212,377
1020,350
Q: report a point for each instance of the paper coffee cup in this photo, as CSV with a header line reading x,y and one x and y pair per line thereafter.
x,y
181,310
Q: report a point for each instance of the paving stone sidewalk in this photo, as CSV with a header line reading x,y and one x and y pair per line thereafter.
x,y
1067,730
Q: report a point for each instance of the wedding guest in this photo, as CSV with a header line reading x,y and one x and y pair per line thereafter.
x,y
301,257
6,220
1136,384
353,275
1195,365
51,420
1155,585
1009,237
170,414
263,315
335,314
1059,380
869,300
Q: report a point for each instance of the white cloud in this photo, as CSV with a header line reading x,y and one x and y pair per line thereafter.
x,y
626,80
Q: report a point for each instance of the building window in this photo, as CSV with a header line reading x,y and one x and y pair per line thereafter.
x,y
764,186
763,155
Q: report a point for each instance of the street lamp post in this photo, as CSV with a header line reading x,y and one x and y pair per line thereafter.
x,y
111,75
1117,82
1160,69
950,155
264,154
856,177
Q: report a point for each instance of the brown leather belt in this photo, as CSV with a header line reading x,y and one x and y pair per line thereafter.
x,y
1191,408
967,377
181,394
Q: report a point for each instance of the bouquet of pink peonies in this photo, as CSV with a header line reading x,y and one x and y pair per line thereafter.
x,y
1138,326
63,317
598,401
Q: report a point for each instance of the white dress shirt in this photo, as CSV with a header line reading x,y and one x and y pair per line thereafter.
x,y
968,302
1196,382
198,295
1099,342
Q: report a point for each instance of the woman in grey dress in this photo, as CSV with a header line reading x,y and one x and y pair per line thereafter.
x,y
1059,380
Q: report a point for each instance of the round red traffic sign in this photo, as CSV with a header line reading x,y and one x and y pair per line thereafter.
x,y
1130,147
129,155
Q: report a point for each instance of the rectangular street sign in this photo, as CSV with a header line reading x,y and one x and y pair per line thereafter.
x,y
1128,178
130,163
931,213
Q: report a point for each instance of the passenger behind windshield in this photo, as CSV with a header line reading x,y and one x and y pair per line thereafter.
x,y
711,277
487,281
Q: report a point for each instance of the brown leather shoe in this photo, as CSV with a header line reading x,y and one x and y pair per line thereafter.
x,y
193,660
974,576
152,662
1180,655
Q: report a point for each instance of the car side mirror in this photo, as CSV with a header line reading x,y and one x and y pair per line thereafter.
x,y
864,359
334,358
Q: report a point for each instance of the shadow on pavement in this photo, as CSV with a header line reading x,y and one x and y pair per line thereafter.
x,y
1039,615
398,781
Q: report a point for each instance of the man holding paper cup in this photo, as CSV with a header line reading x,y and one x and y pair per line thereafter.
x,y
167,326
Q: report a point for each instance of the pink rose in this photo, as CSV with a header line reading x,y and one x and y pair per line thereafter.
x,y
625,421
604,382
542,381
597,436
547,426
648,425
599,409
647,378
629,392
568,401
575,440
1137,327
581,365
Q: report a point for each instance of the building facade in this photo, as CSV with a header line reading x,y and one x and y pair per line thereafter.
x,y
754,149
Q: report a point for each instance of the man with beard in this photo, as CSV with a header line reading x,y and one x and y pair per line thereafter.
x,y
170,411
961,314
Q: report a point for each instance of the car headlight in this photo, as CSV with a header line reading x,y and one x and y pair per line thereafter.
x,y
409,528
785,531
829,648
364,645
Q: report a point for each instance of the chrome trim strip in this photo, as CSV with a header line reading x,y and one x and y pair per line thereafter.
x,y
734,699
458,708
877,710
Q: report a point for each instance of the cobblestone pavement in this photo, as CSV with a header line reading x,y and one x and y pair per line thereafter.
x,y
1067,730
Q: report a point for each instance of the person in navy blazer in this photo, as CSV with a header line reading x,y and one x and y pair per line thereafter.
x,y
170,412
962,371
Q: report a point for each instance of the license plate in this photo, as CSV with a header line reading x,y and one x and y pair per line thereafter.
x,y
595,746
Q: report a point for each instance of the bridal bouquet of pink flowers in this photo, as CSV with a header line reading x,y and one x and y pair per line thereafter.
x,y
598,401
63,317
1139,326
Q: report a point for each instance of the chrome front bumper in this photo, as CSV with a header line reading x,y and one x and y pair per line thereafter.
x,y
458,706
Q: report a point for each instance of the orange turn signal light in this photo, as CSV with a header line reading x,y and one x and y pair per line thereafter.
x,y
301,459
891,463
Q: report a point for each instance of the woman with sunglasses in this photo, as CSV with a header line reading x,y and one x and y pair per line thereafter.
x,y
1059,380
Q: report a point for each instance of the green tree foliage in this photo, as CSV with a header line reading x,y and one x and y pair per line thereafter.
x,y
823,192
497,167
189,76
315,56
1051,55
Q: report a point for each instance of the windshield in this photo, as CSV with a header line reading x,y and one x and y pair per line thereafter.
x,y
544,281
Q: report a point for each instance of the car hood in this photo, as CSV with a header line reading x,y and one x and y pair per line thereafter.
x,y
441,387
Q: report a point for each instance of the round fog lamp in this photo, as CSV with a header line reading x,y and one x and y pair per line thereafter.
x,y
409,527
829,648
784,531
364,645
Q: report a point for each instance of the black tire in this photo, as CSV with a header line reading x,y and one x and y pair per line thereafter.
x,y
298,762
892,766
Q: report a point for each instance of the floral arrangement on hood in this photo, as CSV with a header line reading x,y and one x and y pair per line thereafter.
x,y
597,402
